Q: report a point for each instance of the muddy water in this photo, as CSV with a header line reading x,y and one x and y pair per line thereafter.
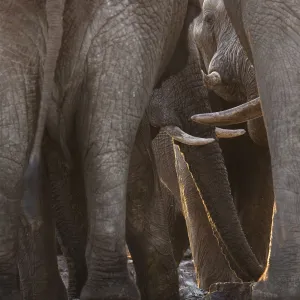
x,y
187,281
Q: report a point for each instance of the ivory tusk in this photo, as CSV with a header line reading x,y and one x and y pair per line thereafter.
x,y
222,133
236,115
180,136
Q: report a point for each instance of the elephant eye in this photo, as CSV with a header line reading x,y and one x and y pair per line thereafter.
x,y
209,19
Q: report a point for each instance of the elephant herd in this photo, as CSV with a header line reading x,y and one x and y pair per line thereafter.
x,y
156,124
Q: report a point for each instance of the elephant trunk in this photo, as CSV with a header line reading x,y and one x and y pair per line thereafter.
x,y
211,177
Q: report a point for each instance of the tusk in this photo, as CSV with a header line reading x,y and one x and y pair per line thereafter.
x,y
211,80
229,133
239,114
180,136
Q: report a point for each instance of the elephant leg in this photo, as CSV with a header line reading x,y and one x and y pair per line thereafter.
x,y
9,287
147,229
39,275
69,211
210,263
120,78
106,146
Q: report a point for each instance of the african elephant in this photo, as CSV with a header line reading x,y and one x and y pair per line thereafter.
x,y
105,74
230,73
28,57
268,33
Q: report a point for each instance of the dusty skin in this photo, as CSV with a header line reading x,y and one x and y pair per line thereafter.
x,y
187,280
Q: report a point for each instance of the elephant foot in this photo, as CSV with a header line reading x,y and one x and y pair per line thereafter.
x,y
118,290
229,291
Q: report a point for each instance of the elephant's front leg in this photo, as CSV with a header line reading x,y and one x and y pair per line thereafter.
x,y
147,227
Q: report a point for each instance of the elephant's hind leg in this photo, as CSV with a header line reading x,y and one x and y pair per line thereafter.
x,y
147,228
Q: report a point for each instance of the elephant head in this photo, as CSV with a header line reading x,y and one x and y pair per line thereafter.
x,y
177,96
229,71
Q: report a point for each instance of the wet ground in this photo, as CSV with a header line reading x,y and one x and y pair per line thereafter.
x,y
187,281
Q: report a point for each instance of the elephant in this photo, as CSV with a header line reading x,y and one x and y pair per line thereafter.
x,y
268,32
104,77
28,45
231,74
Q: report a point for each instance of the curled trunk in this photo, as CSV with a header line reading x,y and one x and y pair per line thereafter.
x,y
212,80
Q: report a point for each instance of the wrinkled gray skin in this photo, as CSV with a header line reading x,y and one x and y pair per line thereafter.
x,y
210,264
177,95
149,244
23,36
222,52
247,164
269,32
173,102
249,172
106,73
116,53
149,224
147,234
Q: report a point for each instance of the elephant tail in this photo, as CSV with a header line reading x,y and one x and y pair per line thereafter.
x,y
31,201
